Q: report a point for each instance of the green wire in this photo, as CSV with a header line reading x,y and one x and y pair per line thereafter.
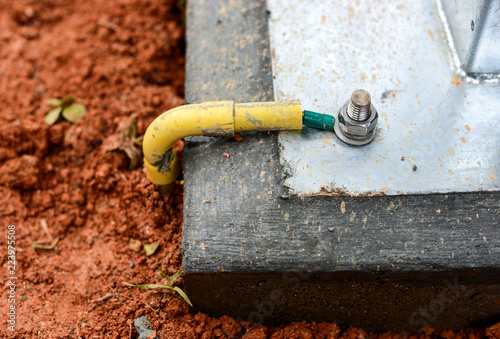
x,y
318,120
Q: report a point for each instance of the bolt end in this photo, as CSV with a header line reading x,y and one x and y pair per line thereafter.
x,y
359,105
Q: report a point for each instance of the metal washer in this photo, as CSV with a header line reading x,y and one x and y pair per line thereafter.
x,y
348,140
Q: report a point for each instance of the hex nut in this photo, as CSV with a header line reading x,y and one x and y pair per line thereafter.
x,y
356,132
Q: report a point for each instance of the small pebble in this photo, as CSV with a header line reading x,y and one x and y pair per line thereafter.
x,y
414,168
143,327
156,101
132,265
331,229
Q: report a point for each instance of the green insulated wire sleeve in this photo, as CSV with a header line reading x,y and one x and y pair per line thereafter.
x,y
318,120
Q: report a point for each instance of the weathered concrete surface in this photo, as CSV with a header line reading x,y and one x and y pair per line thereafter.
x,y
228,51
399,263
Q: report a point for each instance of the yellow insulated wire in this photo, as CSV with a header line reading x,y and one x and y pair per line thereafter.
x,y
267,116
216,119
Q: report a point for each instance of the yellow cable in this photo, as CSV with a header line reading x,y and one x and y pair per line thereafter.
x,y
215,119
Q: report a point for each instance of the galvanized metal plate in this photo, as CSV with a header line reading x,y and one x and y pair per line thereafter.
x,y
475,28
436,134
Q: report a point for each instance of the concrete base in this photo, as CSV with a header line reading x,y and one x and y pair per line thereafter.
x,y
253,251
374,302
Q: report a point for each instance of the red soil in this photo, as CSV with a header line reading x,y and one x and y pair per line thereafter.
x,y
121,59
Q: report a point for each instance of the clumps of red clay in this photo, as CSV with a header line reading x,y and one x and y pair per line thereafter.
x,y
121,59
493,331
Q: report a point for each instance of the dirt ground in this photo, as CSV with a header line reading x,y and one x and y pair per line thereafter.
x,y
121,59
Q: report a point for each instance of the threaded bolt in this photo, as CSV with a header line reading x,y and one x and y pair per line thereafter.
x,y
359,105
357,120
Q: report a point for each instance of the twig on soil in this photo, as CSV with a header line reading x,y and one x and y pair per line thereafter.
x,y
45,228
104,297
7,198
77,328
122,175
107,24
53,241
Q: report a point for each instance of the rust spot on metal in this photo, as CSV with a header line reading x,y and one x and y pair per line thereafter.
x,y
360,97
455,80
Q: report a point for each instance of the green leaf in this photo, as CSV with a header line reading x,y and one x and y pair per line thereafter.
x,y
138,141
148,286
23,297
133,154
67,100
176,276
73,112
104,205
43,247
132,131
163,273
150,249
53,115
54,102
183,295
134,161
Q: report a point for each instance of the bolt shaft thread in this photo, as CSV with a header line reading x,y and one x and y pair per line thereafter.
x,y
358,112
